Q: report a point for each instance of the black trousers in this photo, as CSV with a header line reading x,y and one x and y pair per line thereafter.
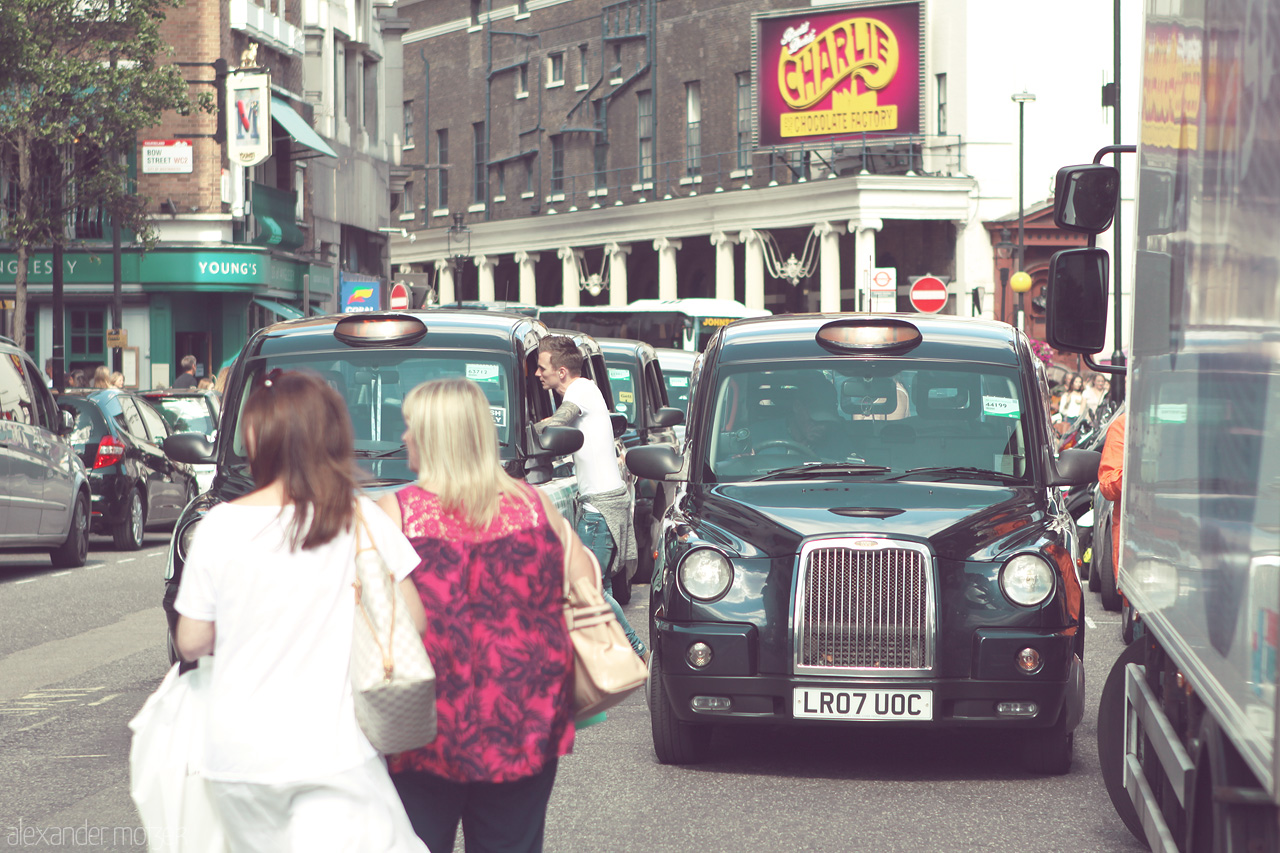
x,y
497,817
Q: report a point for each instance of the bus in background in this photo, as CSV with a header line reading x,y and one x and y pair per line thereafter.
x,y
686,324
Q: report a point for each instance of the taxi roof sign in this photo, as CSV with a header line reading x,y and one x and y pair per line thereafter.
x,y
880,334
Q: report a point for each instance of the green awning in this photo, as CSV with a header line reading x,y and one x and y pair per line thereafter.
x,y
296,126
288,312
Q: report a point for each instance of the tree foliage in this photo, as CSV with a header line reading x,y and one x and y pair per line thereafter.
x,y
68,113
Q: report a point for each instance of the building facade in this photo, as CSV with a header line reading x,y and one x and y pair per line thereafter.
x,y
263,210
790,156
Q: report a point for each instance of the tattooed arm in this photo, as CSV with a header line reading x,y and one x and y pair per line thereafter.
x,y
565,415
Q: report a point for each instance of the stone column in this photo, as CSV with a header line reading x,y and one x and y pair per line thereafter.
x,y
444,282
724,263
753,268
667,248
864,253
484,273
617,252
829,265
528,283
569,275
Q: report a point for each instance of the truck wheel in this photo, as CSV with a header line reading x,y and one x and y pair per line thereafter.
x,y
1128,623
1111,738
674,741
1048,751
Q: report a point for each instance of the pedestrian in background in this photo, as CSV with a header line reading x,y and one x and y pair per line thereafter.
x,y
1095,394
116,381
267,588
220,384
605,521
1071,404
187,376
491,582
101,377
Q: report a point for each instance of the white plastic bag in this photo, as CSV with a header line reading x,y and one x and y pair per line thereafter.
x,y
164,765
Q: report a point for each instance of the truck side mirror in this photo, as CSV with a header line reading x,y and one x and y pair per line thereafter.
x,y
1076,303
1085,198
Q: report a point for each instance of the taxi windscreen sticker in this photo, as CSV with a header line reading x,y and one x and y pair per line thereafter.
x,y
481,372
1000,407
619,373
499,416
626,397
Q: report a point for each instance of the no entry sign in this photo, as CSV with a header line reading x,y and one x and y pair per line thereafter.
x,y
399,300
928,294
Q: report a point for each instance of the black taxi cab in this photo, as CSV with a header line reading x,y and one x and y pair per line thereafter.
x,y
373,360
866,530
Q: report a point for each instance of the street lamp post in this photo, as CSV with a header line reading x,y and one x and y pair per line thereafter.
x,y
1021,99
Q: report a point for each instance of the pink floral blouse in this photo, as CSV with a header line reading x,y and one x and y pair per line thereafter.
x,y
497,639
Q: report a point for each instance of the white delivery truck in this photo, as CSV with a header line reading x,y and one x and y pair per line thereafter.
x,y
1187,725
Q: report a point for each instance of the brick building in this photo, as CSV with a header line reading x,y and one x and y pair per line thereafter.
x,y
578,152
239,246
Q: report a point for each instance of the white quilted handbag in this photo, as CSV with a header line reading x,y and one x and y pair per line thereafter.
x,y
392,680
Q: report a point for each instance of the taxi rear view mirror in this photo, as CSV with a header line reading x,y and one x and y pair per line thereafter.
x,y
1076,303
1085,198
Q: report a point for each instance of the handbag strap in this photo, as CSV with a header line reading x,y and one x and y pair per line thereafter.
x,y
388,661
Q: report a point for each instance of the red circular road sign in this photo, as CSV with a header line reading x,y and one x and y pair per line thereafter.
x,y
928,294
399,300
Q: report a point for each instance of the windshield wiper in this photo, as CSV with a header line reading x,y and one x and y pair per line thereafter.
x,y
818,469
376,454
962,472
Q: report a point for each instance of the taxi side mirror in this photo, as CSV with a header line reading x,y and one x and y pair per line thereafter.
x,y
1075,467
668,416
654,462
557,440
189,447
619,423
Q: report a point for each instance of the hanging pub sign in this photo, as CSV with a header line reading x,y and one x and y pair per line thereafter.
x,y
826,72
248,118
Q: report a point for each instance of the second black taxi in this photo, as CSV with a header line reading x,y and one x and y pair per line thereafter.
x,y
866,530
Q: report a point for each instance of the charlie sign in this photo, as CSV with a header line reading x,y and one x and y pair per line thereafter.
x,y
845,71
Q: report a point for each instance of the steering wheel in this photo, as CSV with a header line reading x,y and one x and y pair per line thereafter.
x,y
787,445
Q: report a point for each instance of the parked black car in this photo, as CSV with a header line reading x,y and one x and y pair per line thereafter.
x,y
373,360
867,529
135,485
44,491
640,393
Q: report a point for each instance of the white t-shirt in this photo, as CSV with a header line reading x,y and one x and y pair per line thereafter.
x,y
596,462
280,705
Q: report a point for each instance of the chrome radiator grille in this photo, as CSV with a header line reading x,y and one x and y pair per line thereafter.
x,y
864,608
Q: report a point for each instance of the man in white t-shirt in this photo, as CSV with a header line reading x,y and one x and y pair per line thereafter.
x,y
604,518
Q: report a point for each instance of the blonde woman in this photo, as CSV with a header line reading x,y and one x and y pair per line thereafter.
x,y
490,581
116,381
101,377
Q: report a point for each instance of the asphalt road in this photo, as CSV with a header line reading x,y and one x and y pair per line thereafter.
x,y
81,650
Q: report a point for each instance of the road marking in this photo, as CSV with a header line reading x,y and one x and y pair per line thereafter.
x,y
1088,621
26,580
126,560
103,700
59,574
56,661
80,756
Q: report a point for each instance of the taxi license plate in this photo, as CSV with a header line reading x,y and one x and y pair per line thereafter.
x,y
825,703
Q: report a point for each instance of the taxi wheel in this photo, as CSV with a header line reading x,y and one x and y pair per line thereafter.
x,y
1048,751
128,533
1095,579
675,741
1106,572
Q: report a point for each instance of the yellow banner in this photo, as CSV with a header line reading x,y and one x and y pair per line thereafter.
x,y
831,122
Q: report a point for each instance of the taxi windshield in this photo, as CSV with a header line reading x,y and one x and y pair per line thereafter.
x,y
374,383
898,418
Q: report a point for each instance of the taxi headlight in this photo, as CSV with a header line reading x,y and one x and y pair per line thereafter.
x,y
705,574
1026,580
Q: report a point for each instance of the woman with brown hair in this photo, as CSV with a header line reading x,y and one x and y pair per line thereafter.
x,y
268,588
491,580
